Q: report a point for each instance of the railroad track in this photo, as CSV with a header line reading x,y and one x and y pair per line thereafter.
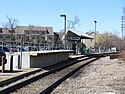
x,y
44,81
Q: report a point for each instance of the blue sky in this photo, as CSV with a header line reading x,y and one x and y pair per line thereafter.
x,y
107,13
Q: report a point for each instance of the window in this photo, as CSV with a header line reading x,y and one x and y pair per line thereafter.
x,y
7,37
19,37
43,38
26,32
1,31
43,32
32,37
0,37
11,31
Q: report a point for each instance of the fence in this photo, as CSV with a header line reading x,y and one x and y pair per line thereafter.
x,y
30,46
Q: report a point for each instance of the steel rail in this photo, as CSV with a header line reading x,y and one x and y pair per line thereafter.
x,y
17,85
51,87
11,88
14,79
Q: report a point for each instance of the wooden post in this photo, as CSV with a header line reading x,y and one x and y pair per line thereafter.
x,y
3,65
11,63
19,67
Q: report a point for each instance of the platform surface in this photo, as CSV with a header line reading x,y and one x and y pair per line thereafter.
x,y
11,74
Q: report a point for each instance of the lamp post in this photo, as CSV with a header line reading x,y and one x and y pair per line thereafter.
x,y
64,29
20,66
95,32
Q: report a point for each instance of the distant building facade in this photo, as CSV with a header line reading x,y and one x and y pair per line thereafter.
x,y
90,42
30,35
43,36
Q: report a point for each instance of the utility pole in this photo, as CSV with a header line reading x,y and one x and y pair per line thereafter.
x,y
21,52
123,26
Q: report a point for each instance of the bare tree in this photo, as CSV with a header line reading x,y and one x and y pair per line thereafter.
x,y
31,28
109,39
73,23
10,26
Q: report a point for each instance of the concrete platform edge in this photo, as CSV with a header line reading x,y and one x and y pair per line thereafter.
x,y
13,79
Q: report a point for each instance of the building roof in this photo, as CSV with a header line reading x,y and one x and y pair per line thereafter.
x,y
90,33
79,33
21,29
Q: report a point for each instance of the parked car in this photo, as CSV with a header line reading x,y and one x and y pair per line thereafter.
x,y
31,48
6,49
19,49
13,49
2,53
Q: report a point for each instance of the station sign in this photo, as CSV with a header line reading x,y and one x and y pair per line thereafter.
x,y
74,38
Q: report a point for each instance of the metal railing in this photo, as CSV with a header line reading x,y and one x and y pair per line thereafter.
x,y
30,46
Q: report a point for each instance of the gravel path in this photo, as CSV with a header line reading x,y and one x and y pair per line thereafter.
x,y
104,76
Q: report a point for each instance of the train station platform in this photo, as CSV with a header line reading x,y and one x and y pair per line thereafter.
x,y
9,76
36,59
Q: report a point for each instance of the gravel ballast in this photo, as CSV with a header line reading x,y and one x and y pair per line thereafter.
x,y
103,76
